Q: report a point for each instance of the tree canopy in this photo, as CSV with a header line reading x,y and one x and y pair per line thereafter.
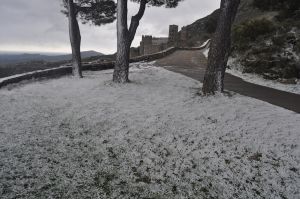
x,y
96,12
166,3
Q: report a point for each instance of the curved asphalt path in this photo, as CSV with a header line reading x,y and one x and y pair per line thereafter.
x,y
193,64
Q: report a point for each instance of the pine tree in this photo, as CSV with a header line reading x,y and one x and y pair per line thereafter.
x,y
126,35
220,48
96,12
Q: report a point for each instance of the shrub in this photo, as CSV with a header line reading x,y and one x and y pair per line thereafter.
x,y
279,40
297,47
286,8
291,5
248,31
211,24
266,4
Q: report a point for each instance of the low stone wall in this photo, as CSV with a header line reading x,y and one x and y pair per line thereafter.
x,y
204,45
154,56
98,66
53,72
66,70
192,48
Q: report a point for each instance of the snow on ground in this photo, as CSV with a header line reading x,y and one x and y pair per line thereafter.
x,y
257,79
152,138
205,43
205,52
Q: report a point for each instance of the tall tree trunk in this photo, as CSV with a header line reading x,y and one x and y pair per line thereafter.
x,y
125,38
220,48
75,39
123,46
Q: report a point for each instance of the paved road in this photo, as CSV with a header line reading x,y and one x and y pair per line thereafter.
x,y
193,64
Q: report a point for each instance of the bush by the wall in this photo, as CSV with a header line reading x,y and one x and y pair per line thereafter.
x,y
286,8
279,40
266,4
297,47
211,24
277,4
250,30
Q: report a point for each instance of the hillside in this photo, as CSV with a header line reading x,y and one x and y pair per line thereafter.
x,y
265,38
25,57
28,66
202,29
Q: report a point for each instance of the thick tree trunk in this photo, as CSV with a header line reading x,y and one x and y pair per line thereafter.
x,y
123,46
220,48
124,39
75,39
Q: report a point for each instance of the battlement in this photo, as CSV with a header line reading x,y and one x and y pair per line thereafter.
x,y
173,34
147,39
150,44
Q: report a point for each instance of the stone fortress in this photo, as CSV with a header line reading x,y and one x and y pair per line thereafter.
x,y
150,44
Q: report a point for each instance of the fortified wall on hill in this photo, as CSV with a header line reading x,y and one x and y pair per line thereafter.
x,y
150,44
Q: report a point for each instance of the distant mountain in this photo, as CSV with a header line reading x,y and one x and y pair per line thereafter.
x,y
6,58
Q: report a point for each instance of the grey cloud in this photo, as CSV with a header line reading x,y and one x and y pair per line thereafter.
x,y
38,25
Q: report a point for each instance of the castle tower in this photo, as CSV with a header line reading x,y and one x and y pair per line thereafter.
x,y
147,40
146,44
173,35
183,37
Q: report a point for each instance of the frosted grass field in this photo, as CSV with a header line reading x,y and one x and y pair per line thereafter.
x,y
153,138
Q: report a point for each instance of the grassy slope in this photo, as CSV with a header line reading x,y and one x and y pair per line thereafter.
x,y
152,138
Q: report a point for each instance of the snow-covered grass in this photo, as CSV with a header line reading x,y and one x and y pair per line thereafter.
x,y
257,79
152,138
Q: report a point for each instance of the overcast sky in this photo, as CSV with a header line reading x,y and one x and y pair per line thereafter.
x,y
38,25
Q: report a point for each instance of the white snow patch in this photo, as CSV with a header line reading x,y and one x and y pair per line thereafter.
x,y
205,43
205,52
151,138
141,65
290,53
257,79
